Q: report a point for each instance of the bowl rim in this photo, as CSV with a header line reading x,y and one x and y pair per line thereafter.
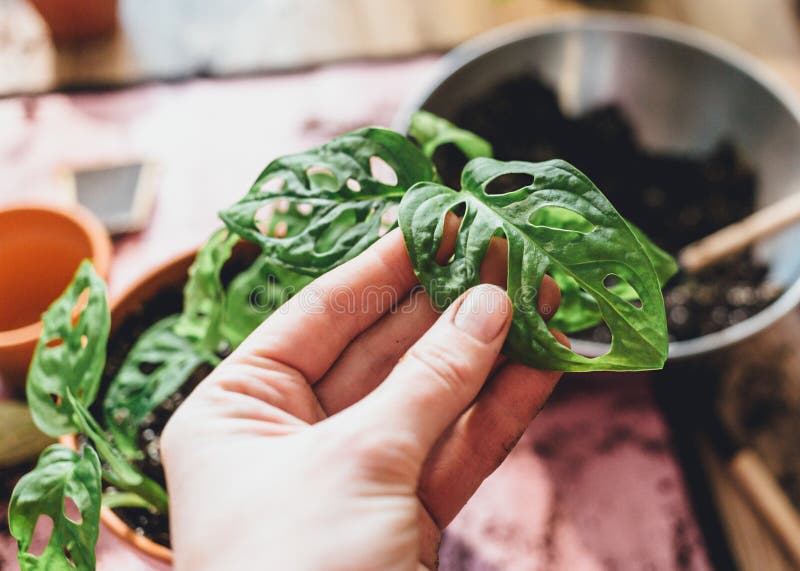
x,y
99,244
648,26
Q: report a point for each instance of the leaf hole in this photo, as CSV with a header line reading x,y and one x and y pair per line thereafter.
x,y
322,178
282,205
71,511
41,535
506,183
54,342
453,220
353,185
622,288
382,172
388,219
494,266
56,399
84,341
560,218
80,305
305,209
147,367
262,217
280,230
68,556
272,184
601,333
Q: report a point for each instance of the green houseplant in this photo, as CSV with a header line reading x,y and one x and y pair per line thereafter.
x,y
308,213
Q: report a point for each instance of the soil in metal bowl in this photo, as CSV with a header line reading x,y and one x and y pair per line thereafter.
x,y
675,199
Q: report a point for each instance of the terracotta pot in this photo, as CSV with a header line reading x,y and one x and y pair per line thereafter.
x,y
168,274
75,20
40,248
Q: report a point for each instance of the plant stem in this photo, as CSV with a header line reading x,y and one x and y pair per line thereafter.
x,y
149,490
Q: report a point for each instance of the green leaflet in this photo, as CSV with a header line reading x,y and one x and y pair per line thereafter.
x,y
313,211
579,310
203,294
118,471
588,257
61,473
69,357
431,132
254,295
156,366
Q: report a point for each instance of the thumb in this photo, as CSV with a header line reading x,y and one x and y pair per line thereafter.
x,y
442,373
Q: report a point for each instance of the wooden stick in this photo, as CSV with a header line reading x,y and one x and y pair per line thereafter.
x,y
768,500
740,235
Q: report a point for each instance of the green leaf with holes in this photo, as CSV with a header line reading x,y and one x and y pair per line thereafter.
x,y
155,367
60,474
204,294
604,245
431,132
71,352
313,211
254,295
579,310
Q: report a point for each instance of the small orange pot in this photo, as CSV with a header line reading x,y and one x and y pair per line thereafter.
x,y
40,249
75,20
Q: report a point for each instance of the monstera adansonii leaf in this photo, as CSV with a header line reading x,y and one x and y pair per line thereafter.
x,y
60,475
598,250
70,354
313,211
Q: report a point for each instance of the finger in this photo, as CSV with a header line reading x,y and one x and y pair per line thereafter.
x,y
483,436
310,331
430,536
442,372
372,356
549,297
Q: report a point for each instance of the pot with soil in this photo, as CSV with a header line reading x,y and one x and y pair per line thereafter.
x,y
155,296
684,133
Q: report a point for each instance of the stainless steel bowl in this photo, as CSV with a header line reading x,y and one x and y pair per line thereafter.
x,y
683,90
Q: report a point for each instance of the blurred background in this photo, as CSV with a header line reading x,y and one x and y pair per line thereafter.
x,y
156,114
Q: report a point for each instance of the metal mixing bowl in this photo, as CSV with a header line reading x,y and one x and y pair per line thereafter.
x,y
683,90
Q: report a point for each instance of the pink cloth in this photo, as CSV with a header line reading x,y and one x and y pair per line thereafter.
x,y
593,485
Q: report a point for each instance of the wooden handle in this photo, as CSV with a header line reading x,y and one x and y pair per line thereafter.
x,y
769,501
740,235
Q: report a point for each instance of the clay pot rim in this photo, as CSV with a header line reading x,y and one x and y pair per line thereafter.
x,y
99,243
111,520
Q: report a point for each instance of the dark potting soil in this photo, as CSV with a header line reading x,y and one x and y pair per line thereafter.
x,y
168,302
675,199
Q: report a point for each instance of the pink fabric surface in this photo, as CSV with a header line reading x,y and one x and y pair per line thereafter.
x,y
593,485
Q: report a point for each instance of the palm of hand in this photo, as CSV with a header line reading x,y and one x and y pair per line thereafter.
x,y
311,447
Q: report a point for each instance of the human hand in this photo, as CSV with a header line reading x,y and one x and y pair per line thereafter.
x,y
343,435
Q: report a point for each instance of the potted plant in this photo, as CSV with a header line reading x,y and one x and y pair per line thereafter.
x,y
105,382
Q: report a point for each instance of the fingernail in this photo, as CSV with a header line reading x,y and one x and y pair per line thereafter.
x,y
484,312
